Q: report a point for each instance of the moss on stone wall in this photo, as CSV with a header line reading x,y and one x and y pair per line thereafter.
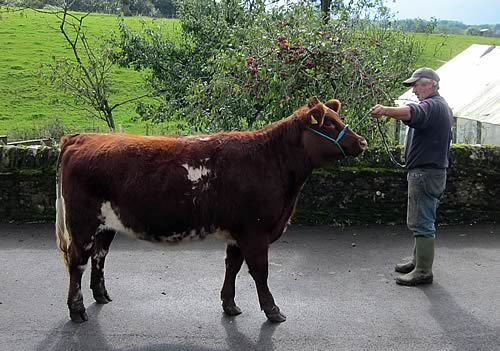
x,y
368,189
27,183
27,196
17,158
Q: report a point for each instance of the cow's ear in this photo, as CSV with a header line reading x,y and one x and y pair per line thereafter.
x,y
313,102
334,104
317,114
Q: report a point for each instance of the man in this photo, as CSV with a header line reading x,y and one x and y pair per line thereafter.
x,y
426,154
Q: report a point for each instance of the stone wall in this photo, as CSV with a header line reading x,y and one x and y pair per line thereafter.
x,y
27,183
365,190
372,190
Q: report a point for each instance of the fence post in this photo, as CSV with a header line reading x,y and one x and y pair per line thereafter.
x,y
454,134
397,130
479,131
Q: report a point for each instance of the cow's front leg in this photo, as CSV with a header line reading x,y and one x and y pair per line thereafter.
x,y
234,260
257,261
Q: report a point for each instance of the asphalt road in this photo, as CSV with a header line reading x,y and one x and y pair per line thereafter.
x,y
336,286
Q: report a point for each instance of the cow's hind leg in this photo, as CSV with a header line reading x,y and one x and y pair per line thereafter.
x,y
102,242
77,262
234,260
255,255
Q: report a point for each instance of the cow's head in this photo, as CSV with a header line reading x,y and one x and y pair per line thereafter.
x,y
327,137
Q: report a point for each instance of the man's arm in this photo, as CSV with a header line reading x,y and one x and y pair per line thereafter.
x,y
402,113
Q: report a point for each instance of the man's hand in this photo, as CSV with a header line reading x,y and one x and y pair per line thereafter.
x,y
377,111
402,113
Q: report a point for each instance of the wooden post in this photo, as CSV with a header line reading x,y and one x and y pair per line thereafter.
x,y
454,131
479,132
397,131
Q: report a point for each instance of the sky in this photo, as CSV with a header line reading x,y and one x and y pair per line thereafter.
x,y
468,12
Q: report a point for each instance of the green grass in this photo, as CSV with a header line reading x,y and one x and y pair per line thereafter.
x,y
29,39
439,48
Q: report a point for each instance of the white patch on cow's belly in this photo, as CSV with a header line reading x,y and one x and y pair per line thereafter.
x,y
192,234
110,220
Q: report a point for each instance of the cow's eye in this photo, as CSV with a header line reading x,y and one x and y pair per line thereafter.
x,y
327,123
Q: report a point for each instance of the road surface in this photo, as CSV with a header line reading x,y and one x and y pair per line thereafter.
x,y
335,285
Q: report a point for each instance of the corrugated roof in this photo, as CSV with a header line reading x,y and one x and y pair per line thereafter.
x,y
470,83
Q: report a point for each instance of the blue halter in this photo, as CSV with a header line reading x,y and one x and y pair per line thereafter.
x,y
336,141
341,134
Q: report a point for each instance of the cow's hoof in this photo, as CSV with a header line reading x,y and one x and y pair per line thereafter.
x,y
79,316
275,315
102,299
232,310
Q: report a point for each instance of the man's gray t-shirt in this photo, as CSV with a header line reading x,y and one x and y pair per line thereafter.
x,y
429,135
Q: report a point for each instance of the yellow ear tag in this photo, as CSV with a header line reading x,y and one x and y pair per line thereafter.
x,y
313,120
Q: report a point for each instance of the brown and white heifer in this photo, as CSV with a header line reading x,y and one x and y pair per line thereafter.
x,y
243,185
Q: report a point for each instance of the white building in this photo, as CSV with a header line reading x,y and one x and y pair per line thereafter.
x,y
470,83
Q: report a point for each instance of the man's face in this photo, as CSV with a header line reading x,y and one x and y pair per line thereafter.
x,y
423,90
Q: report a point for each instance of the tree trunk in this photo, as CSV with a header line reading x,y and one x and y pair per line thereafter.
x,y
108,115
126,8
110,121
325,10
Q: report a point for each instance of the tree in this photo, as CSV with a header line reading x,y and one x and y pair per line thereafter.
x,y
165,7
238,66
472,31
86,78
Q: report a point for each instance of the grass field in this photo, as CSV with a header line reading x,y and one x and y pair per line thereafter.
x,y
28,39
439,48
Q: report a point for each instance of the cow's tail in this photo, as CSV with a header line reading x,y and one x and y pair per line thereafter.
x,y
63,236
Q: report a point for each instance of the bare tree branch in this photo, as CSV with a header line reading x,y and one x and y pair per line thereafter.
x,y
129,100
87,79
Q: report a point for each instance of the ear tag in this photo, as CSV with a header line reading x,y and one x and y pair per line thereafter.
x,y
313,120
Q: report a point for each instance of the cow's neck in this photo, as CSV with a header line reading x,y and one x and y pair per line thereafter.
x,y
285,140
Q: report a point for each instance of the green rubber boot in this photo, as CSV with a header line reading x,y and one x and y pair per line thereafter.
x,y
424,257
408,265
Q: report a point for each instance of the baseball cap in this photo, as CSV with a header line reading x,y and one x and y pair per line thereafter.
x,y
423,72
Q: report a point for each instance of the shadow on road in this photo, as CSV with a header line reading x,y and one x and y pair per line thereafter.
x,y
67,335
71,336
455,320
239,341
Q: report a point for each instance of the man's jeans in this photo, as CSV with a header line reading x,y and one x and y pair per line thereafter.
x,y
425,188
